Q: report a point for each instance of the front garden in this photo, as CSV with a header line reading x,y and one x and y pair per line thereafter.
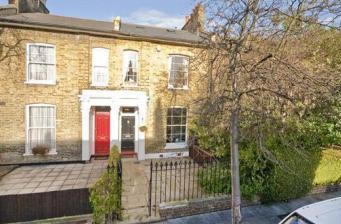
x,y
290,159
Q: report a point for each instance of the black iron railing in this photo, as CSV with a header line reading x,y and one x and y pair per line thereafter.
x,y
185,180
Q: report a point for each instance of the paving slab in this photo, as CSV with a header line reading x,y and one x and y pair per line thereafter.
x,y
44,178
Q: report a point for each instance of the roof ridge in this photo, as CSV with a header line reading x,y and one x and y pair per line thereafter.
x,y
107,21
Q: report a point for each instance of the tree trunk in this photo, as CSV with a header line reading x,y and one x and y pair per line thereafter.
x,y
236,198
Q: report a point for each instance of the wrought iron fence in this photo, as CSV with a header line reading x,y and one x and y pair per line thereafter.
x,y
185,180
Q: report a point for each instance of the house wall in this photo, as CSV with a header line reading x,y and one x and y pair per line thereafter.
x,y
73,58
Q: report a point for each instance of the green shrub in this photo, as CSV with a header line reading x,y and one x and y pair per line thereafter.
x,y
105,196
215,179
287,163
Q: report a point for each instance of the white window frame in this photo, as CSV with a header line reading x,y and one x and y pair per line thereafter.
x,y
40,82
28,151
106,82
180,145
171,86
125,69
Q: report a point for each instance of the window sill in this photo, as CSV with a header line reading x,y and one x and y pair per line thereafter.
x,y
127,84
51,153
41,83
173,88
99,85
182,145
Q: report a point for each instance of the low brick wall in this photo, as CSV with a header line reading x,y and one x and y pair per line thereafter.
x,y
325,189
205,205
196,206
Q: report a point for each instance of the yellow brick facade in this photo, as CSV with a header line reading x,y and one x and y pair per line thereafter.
x,y
73,63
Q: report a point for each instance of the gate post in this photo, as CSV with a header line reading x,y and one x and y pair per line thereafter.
x,y
150,189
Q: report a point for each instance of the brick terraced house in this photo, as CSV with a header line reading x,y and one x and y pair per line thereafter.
x,y
77,87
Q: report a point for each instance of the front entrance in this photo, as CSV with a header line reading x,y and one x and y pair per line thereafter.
x,y
128,130
102,133
128,134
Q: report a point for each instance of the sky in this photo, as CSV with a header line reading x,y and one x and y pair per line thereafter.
x,y
163,13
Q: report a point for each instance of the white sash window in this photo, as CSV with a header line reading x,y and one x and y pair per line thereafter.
x,y
41,127
178,74
130,67
41,64
100,66
176,127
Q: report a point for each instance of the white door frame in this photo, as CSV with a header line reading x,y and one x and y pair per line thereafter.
x,y
115,100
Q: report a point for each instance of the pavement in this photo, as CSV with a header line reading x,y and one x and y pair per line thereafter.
x,y
135,190
45,178
258,214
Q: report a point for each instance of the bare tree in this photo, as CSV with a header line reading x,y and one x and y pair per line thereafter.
x,y
10,44
260,64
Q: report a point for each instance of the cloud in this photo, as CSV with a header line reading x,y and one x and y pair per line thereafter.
x,y
153,17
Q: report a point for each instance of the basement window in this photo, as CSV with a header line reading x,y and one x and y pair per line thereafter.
x,y
41,64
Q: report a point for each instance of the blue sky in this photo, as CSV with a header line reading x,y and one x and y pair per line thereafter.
x,y
167,13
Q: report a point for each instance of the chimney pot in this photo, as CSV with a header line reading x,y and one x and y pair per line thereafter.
x,y
117,23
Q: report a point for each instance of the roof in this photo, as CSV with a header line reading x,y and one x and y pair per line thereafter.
x,y
49,21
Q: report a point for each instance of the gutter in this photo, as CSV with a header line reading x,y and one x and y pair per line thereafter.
x,y
8,23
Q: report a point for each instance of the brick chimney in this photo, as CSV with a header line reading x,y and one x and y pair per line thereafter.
x,y
195,23
24,6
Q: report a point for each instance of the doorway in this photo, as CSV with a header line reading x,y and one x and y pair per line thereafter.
x,y
128,130
102,133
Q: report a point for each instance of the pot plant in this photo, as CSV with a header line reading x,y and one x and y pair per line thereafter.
x,y
40,150
143,128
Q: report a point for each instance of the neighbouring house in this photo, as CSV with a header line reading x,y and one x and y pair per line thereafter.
x,y
77,87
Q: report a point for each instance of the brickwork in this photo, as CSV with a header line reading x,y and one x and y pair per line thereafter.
x,y
73,58
197,206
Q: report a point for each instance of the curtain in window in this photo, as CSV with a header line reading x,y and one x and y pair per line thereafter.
x,y
100,66
178,71
176,125
41,65
130,64
41,127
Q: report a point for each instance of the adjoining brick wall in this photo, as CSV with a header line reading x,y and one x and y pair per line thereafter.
x,y
325,189
197,206
73,54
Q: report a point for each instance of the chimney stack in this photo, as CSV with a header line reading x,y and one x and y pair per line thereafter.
x,y
24,6
117,23
13,2
195,23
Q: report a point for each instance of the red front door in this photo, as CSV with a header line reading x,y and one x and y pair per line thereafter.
x,y
102,133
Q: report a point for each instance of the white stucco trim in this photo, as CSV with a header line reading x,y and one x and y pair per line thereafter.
x,y
167,155
115,100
